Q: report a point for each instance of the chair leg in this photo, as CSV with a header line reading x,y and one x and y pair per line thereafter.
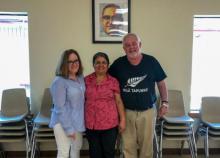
x,y
34,150
32,136
190,148
38,150
2,154
182,145
156,148
194,142
193,148
33,147
205,146
161,140
207,142
27,141
27,135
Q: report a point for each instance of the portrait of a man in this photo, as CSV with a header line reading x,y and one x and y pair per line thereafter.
x,y
111,21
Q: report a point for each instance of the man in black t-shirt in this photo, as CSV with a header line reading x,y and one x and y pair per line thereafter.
x,y
137,74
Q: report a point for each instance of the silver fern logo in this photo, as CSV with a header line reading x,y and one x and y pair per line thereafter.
x,y
133,82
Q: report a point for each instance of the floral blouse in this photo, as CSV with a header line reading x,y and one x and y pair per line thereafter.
x,y
100,105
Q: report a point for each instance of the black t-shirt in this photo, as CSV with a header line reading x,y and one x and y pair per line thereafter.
x,y
137,82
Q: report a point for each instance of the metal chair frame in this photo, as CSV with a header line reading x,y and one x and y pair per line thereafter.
x,y
41,132
13,117
210,121
176,125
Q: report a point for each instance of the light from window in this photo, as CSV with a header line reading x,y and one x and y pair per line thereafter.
x,y
14,51
205,59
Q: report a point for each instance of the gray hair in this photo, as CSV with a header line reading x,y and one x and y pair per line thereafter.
x,y
131,35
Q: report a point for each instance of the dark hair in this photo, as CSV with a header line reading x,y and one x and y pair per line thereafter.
x,y
62,67
100,54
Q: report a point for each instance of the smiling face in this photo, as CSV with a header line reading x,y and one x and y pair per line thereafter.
x,y
73,64
101,65
132,47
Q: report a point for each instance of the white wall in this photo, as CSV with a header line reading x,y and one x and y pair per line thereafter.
x,y
165,28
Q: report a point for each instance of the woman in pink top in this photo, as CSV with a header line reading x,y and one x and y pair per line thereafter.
x,y
104,110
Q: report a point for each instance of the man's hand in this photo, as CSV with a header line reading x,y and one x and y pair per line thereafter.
x,y
163,109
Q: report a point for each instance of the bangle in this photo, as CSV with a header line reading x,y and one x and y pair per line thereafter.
x,y
164,101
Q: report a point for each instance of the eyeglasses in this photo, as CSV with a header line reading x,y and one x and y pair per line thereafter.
x,y
73,62
107,17
116,17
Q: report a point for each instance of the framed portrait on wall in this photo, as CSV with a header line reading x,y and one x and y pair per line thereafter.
x,y
110,20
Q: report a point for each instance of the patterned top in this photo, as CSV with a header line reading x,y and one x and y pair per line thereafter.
x,y
100,106
68,100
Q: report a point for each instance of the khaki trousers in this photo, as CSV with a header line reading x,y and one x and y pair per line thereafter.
x,y
139,134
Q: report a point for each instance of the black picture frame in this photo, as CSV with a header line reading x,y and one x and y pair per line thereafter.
x,y
110,20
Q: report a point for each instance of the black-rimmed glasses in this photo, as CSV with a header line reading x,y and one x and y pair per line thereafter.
x,y
73,62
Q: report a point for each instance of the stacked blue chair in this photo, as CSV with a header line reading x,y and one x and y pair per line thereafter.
x,y
41,132
210,120
176,125
13,117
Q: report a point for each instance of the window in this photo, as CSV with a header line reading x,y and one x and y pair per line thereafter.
x,y
205,59
14,51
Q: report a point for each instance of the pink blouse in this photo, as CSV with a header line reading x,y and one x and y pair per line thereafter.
x,y
100,106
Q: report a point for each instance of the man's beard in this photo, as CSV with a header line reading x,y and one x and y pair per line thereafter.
x,y
133,55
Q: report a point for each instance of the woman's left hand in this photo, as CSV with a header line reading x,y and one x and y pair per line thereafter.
x,y
73,136
121,126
